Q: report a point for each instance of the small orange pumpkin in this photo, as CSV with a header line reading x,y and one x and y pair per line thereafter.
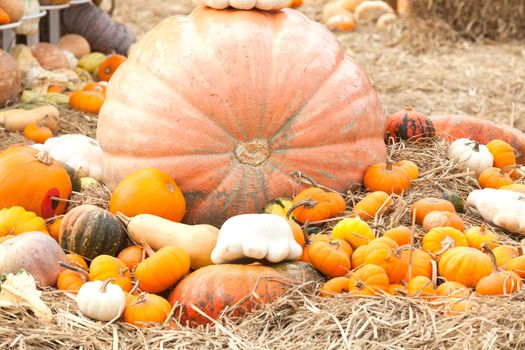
x,y
163,269
425,205
465,265
104,267
368,280
503,155
131,256
422,286
71,281
77,260
146,309
452,289
498,282
4,17
390,260
331,258
442,219
338,204
386,177
479,235
311,204
374,204
87,101
54,228
335,285
37,134
359,256
504,254
440,239
109,66
397,289
421,264
494,178
100,86
148,191
400,234
517,265
410,168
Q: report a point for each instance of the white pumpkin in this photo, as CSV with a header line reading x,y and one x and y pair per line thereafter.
x,y
501,207
102,301
30,26
255,236
471,154
244,4
371,10
80,152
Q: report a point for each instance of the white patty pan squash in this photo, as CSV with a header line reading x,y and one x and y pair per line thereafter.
x,y
80,152
102,301
501,207
255,237
244,4
474,156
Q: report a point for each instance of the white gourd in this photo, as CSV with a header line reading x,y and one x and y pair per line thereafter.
x,y
257,237
102,301
471,154
30,26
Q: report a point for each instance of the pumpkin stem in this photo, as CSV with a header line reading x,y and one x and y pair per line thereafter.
x,y
506,169
123,218
307,240
482,228
447,243
74,268
389,164
142,298
43,156
298,175
135,287
476,145
105,285
307,203
485,248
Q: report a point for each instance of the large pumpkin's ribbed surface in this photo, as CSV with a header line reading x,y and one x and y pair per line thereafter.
x,y
231,102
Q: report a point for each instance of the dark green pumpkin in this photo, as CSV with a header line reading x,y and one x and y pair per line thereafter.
x,y
455,199
238,288
408,125
90,231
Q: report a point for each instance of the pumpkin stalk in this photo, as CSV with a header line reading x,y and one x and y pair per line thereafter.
x,y
135,287
307,203
123,218
142,298
105,285
485,248
43,156
476,145
147,248
74,268
298,175
506,169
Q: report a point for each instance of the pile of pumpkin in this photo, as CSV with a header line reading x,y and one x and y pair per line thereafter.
x,y
141,257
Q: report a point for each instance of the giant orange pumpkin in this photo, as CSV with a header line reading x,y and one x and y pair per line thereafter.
x,y
229,103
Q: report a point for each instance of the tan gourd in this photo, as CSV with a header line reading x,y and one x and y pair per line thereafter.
x,y
18,119
197,240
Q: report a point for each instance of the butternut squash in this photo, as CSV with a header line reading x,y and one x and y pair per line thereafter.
x,y
197,240
18,119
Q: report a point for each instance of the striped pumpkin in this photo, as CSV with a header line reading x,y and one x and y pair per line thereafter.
x,y
408,124
90,231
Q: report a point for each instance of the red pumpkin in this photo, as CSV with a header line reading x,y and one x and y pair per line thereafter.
x,y
231,136
214,288
408,124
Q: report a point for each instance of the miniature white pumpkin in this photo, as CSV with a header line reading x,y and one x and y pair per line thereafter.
x,y
501,207
371,10
255,236
80,152
102,301
244,4
471,154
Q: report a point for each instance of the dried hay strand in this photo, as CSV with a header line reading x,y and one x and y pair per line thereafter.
x,y
473,19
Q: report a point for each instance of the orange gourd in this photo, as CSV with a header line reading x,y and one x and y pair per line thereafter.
x,y
375,203
109,66
479,235
131,256
146,309
442,219
148,191
77,260
425,205
32,179
498,282
162,269
104,267
335,285
87,101
368,280
400,234
410,168
503,155
465,265
494,178
37,134
231,138
386,177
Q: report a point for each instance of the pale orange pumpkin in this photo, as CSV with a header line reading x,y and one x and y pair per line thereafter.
x,y
230,137
368,280
400,234
410,168
452,289
440,239
465,265
494,178
498,282
335,285
421,264
425,205
442,219
477,236
375,203
503,155
504,254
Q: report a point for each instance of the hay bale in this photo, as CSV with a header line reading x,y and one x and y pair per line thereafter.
x,y
499,20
